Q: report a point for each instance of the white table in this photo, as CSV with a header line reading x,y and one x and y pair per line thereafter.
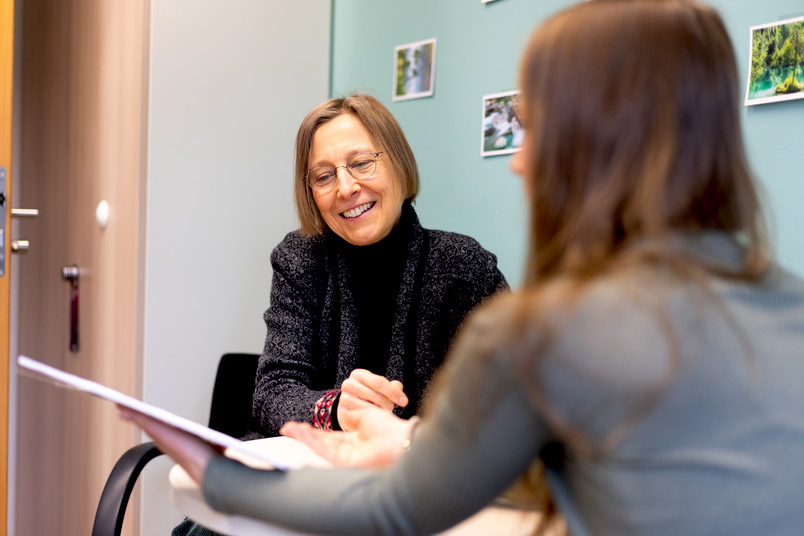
x,y
187,497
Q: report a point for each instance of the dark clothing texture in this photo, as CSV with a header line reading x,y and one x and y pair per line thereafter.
x,y
315,333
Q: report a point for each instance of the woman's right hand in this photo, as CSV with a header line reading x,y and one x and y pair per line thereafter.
x,y
376,443
364,389
192,453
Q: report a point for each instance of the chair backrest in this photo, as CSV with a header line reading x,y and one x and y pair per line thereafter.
x,y
233,393
229,413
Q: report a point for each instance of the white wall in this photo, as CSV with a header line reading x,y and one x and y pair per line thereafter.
x,y
229,84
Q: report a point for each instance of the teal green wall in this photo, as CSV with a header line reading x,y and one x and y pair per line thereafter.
x,y
477,54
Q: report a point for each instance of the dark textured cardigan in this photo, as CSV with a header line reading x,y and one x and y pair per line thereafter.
x,y
312,341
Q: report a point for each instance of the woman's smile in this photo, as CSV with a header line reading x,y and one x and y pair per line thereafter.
x,y
358,210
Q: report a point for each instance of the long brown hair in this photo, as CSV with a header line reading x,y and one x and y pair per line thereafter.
x,y
383,128
632,112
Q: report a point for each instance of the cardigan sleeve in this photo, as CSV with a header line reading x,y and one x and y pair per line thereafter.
x,y
287,388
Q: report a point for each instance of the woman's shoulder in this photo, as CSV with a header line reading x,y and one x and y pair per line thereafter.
x,y
299,253
566,302
449,241
458,252
567,325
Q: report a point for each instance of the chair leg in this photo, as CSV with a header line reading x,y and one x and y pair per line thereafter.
x,y
114,498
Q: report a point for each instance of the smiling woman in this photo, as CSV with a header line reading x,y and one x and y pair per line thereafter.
x,y
364,301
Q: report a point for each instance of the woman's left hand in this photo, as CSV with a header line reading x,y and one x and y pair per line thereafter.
x,y
376,443
187,450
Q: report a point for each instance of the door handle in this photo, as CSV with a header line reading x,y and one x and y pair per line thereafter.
x,y
70,273
20,246
24,212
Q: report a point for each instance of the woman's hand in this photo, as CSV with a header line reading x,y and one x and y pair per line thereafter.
x,y
187,450
377,442
364,389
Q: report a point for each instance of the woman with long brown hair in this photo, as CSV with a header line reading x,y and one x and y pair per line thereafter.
x,y
651,367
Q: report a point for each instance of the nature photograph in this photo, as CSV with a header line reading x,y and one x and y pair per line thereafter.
x,y
777,62
414,70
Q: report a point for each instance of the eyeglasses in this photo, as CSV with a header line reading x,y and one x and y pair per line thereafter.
x,y
361,166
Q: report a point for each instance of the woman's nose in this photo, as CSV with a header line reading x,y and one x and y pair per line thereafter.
x,y
345,184
517,164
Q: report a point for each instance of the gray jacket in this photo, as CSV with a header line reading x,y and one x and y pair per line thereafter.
x,y
717,450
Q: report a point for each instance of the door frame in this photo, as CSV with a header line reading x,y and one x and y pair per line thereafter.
x,y
6,106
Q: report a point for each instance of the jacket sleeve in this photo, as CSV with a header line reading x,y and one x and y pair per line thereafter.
x,y
464,258
496,277
289,375
469,274
455,466
479,280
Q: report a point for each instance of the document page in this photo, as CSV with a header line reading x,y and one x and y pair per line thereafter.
x,y
36,369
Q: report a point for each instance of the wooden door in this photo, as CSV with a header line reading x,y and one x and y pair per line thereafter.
x,y
6,85
83,127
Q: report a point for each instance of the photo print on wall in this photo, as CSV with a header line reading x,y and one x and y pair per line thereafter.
x,y
777,62
501,131
414,70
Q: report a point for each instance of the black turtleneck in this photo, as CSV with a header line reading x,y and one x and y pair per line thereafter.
x,y
376,274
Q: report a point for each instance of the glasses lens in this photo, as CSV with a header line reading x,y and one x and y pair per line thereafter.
x,y
362,165
321,178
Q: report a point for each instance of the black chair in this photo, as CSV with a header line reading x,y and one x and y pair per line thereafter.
x,y
230,411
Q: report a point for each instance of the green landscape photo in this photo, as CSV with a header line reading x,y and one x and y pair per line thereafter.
x,y
777,62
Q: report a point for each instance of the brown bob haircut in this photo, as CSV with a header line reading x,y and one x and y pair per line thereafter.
x,y
632,113
384,130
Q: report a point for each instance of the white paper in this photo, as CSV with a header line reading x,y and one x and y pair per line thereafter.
x,y
42,371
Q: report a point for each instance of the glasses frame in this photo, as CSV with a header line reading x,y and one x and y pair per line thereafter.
x,y
334,170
